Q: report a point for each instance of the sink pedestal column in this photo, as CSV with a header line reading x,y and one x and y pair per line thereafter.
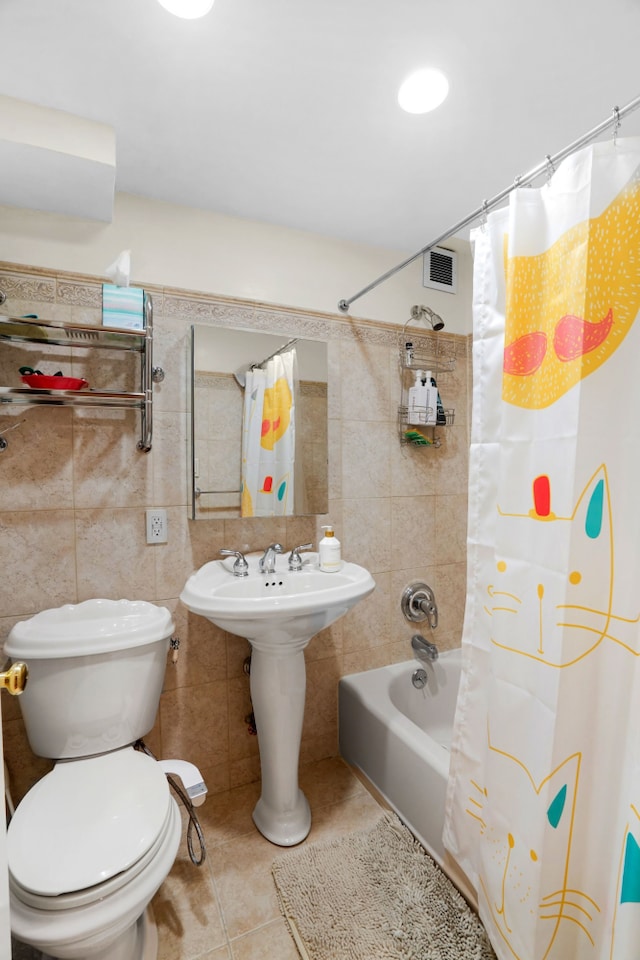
x,y
278,681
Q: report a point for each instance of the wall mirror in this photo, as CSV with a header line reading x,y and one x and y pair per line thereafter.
x,y
220,360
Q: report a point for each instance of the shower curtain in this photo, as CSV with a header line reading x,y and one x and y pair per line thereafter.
x,y
269,438
543,804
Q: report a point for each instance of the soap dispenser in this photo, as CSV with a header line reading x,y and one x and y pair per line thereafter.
x,y
329,551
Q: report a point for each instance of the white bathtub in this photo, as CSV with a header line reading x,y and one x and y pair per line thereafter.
x,y
399,737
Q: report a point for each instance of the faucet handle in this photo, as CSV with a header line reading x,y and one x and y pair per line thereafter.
x,y
295,560
240,567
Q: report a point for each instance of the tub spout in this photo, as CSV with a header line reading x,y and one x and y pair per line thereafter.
x,y
424,649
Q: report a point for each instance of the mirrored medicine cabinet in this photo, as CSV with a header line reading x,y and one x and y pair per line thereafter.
x,y
217,359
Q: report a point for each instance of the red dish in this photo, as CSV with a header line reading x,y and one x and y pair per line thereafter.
x,y
41,382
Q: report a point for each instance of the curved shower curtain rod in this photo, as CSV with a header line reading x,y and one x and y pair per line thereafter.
x,y
547,164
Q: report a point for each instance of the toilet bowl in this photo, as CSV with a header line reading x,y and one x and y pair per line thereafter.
x,y
93,840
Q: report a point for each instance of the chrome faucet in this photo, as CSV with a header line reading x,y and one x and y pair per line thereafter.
x,y
295,560
424,649
267,562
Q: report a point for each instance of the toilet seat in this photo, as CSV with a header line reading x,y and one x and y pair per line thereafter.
x,y
88,824
82,898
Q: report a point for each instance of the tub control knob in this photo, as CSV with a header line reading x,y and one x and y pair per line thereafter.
x,y
419,603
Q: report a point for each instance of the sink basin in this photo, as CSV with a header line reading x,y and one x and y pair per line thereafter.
x,y
280,607
278,613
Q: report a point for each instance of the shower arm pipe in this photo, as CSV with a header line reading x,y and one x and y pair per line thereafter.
x,y
548,164
255,366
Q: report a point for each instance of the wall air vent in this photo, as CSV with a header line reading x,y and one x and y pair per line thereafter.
x,y
440,269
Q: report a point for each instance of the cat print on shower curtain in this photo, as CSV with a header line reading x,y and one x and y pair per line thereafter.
x,y
543,805
569,633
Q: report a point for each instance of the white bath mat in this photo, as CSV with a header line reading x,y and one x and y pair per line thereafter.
x,y
375,895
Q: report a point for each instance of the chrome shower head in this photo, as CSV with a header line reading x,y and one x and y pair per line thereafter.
x,y
428,315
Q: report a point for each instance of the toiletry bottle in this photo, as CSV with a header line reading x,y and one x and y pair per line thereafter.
x,y
441,418
430,402
417,407
408,353
329,551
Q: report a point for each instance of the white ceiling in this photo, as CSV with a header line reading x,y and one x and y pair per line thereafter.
x,y
285,110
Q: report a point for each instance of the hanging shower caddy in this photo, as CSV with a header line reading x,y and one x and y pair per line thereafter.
x,y
433,354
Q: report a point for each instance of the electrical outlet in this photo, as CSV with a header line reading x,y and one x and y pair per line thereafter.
x,y
157,531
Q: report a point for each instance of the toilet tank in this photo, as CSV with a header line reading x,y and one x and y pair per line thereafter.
x,y
96,671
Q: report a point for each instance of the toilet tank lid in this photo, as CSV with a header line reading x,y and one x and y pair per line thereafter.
x,y
90,627
87,821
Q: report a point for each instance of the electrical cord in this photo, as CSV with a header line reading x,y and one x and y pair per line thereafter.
x,y
194,823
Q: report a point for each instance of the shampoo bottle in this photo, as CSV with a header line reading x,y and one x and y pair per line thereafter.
x,y
417,407
329,551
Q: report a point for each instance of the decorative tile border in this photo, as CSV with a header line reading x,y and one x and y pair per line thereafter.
x,y
79,294
25,287
38,284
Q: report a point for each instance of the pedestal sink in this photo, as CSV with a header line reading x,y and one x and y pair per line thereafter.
x,y
278,613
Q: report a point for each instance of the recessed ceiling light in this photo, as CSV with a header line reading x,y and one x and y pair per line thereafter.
x,y
187,9
423,91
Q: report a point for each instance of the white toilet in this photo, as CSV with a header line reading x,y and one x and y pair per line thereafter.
x,y
90,843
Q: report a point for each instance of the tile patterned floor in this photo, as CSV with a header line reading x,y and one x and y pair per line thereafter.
x,y
227,909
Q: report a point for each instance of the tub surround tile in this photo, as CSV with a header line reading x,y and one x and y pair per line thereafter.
x,y
238,649
244,771
335,459
366,384
300,530
107,472
366,533
170,346
242,743
169,458
202,656
254,534
227,816
321,704
413,531
367,449
38,457
414,470
315,748
450,529
450,587
368,624
365,659
326,645
24,767
113,558
171,559
334,385
42,569
195,723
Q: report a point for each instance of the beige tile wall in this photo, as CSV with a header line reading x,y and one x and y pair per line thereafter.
x,y
75,489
